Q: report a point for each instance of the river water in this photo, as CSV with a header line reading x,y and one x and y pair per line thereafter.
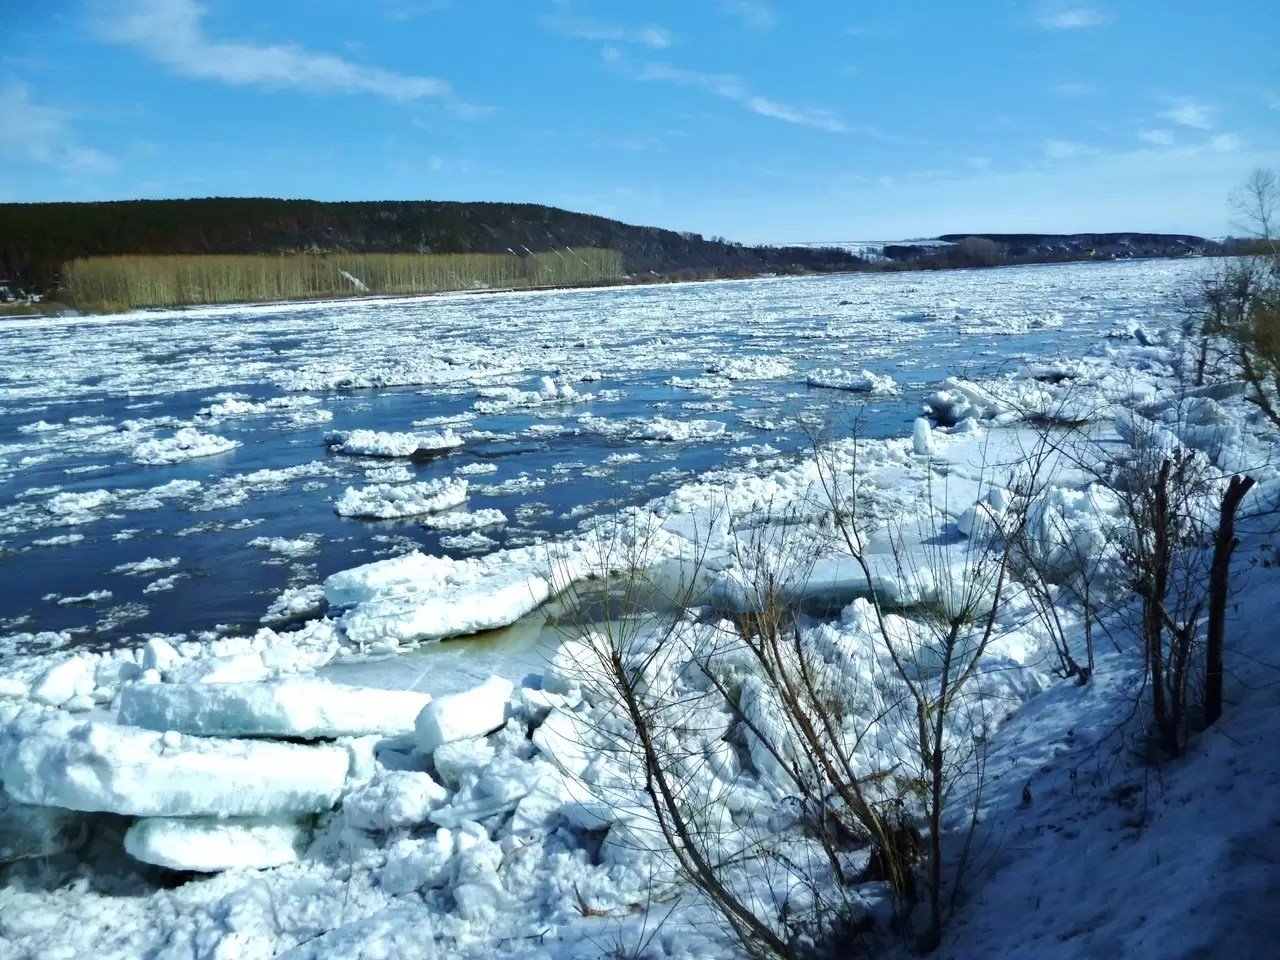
x,y
98,547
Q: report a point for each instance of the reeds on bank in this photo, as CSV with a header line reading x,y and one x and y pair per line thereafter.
x,y
121,282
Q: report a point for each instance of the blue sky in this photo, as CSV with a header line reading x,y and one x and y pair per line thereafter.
x,y
754,119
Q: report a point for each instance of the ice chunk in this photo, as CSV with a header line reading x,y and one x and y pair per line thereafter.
x,y
396,798
32,831
54,760
386,501
210,844
453,760
159,654
563,738
922,437
284,708
370,443
62,682
413,864
469,713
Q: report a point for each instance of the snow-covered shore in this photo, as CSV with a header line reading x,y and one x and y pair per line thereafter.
x,y
505,820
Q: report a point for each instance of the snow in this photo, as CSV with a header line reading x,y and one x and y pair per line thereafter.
x,y
187,443
294,708
54,760
371,443
469,713
387,501
208,845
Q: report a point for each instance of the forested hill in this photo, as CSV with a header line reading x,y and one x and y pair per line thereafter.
x,y
37,238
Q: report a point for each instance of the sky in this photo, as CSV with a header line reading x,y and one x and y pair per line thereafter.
x,y
757,120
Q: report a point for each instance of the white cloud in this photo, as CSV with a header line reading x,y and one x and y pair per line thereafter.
x,y
733,88
587,28
1064,149
1225,143
1161,138
172,32
1071,18
39,133
754,13
1190,113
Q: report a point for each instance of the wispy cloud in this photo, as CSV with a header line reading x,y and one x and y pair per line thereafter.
x,y
1190,113
588,28
172,32
1161,138
1065,149
1056,17
735,89
756,14
40,133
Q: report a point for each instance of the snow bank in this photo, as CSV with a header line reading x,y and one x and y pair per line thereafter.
x,y
386,501
186,444
305,709
371,443
209,845
55,761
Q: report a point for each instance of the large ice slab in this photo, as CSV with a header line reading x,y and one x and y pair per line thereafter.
x,y
51,759
307,709
416,597
386,501
210,844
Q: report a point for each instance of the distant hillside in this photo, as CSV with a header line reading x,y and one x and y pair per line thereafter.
x,y
1042,247
36,239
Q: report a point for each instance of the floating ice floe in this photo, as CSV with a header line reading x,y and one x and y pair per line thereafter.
x,y
388,501
678,431
863,381
294,708
456,521
239,407
549,392
187,443
142,568
372,443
